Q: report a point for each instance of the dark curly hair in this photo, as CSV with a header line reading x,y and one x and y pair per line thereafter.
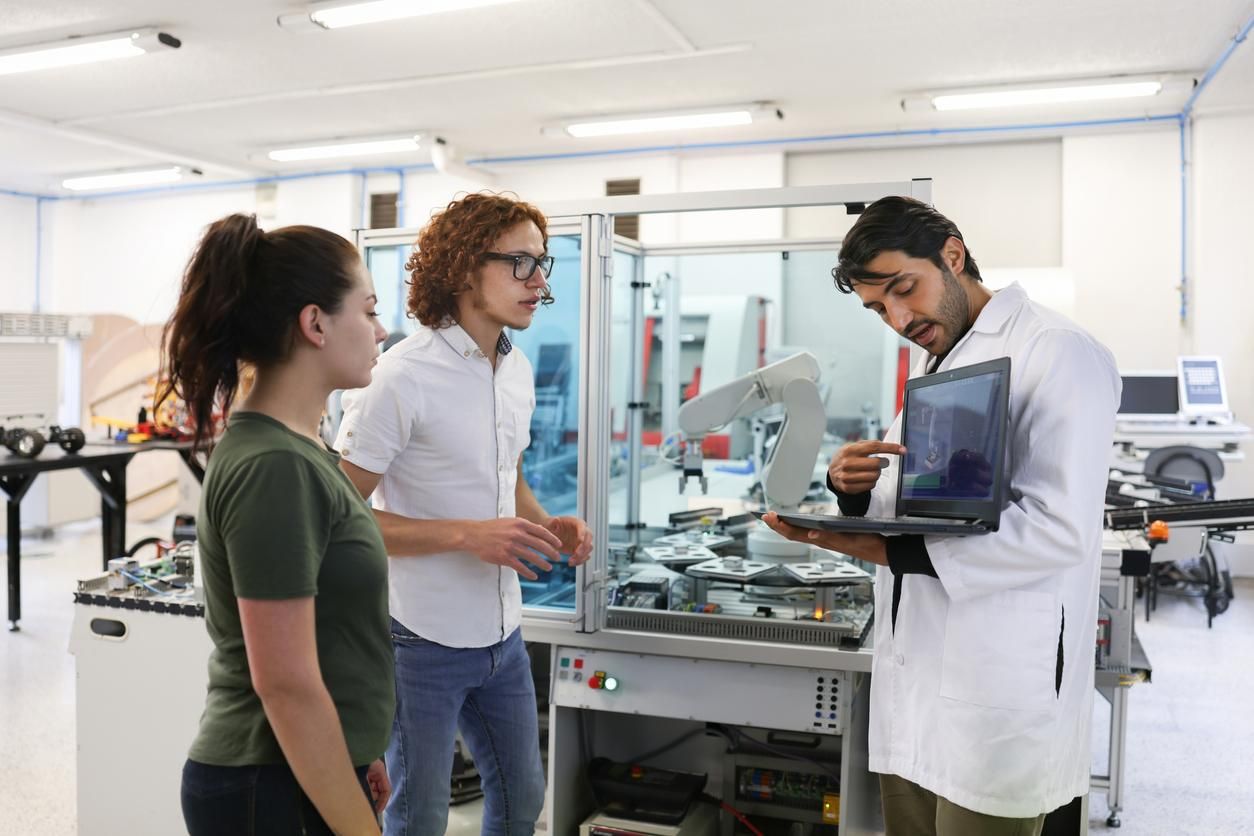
x,y
452,246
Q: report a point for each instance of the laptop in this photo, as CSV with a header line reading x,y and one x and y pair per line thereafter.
x,y
952,478
1149,397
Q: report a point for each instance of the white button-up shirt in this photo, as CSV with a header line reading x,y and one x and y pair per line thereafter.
x,y
445,432
963,698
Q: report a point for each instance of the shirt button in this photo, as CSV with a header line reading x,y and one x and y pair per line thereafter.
x,y
899,659
349,433
466,354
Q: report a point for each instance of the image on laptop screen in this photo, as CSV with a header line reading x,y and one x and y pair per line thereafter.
x,y
951,438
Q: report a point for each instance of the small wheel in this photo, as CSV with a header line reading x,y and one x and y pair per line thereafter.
x,y
72,439
26,443
1113,821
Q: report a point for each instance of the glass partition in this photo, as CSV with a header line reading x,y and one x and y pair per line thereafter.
x,y
696,562
386,263
551,463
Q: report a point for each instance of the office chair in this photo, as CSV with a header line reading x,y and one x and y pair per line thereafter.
x,y
1200,578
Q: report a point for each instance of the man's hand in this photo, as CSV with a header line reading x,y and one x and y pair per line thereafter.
x,y
855,468
872,548
380,787
575,536
509,541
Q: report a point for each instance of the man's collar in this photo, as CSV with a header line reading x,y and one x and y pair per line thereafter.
x,y
462,343
999,309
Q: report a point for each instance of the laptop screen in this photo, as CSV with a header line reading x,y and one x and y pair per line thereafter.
x,y
1151,395
954,430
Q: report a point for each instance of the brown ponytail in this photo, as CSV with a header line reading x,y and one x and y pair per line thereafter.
x,y
242,293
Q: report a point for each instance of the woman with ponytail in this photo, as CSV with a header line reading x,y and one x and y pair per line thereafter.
x,y
294,571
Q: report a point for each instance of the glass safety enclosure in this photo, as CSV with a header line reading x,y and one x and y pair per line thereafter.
x,y
551,344
672,329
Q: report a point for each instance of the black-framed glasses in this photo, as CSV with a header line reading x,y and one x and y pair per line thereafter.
x,y
524,265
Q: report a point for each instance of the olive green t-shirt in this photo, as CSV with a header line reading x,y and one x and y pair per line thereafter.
x,y
279,519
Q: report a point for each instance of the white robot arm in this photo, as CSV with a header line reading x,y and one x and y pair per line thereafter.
x,y
791,382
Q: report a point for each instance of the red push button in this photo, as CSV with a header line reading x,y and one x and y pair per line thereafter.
x,y
578,664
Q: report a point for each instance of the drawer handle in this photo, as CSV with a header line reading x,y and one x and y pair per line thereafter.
x,y
108,628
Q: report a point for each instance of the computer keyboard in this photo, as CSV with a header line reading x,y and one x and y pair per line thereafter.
x,y
1173,428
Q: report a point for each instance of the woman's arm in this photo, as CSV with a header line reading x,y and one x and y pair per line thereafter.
x,y
283,659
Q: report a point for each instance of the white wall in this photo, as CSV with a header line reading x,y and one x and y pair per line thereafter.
x,y
1222,272
126,255
17,242
1005,197
547,182
1121,242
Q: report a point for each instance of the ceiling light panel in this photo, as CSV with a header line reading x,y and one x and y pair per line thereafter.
x,y
72,51
122,179
347,148
675,121
338,15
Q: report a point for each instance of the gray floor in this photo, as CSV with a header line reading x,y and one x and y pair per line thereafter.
x,y
1190,732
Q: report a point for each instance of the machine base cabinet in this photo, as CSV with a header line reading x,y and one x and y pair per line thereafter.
x,y
783,745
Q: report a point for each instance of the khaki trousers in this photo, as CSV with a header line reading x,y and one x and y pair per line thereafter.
x,y
910,810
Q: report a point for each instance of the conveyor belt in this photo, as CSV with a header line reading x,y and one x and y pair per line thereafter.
x,y
1220,515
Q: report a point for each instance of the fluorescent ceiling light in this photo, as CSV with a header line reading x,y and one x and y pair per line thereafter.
x,y
142,177
679,121
83,50
1059,94
339,14
356,148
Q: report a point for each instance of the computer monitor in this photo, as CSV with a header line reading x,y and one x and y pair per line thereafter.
x,y
1149,396
1202,390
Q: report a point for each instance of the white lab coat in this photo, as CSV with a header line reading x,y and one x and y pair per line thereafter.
x,y
963,697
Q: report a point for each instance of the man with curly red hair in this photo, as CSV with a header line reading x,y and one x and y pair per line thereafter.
x,y
437,438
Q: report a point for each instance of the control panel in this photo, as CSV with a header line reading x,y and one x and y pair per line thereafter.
x,y
740,693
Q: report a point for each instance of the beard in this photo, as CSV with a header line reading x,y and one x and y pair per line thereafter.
x,y
953,314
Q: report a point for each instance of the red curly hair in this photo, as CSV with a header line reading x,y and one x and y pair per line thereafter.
x,y
452,245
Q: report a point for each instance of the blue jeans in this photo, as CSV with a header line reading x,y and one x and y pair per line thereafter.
x,y
248,800
488,693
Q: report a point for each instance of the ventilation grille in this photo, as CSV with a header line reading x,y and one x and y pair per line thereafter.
x,y
764,630
34,325
383,210
627,226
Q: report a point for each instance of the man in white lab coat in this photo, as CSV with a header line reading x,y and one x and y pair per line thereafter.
x,y
982,684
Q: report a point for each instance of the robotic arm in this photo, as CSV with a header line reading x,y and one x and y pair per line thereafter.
x,y
791,382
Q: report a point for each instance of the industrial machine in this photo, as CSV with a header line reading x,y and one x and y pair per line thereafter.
x,y
740,577
647,642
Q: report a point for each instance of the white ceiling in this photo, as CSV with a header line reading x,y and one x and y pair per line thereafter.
x,y
489,79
